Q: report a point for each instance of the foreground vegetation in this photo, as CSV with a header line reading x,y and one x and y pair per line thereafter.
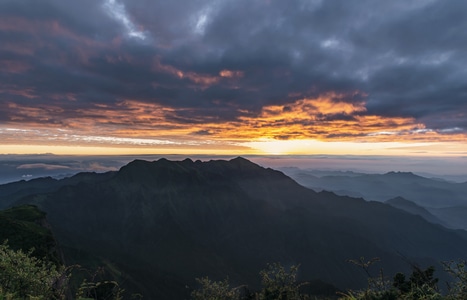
x,y
38,274
31,266
281,284
24,276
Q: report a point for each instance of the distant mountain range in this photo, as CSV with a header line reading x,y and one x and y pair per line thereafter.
x,y
161,224
445,201
415,209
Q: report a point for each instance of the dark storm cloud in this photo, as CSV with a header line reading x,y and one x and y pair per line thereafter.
x,y
406,57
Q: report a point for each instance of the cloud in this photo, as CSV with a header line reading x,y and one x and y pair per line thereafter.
x,y
47,167
100,167
118,12
168,70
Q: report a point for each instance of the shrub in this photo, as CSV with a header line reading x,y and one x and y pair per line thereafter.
x,y
280,284
22,275
214,290
458,288
277,284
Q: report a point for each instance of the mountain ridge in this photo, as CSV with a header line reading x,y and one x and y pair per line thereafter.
x,y
415,209
183,219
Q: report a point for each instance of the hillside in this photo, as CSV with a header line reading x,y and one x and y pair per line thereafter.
x,y
164,223
25,227
440,198
414,209
380,187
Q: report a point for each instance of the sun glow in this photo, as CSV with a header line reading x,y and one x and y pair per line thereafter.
x,y
255,147
297,147
328,124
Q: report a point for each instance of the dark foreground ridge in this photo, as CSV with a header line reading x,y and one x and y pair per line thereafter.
x,y
162,224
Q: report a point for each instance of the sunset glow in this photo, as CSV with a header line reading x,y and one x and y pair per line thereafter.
x,y
120,82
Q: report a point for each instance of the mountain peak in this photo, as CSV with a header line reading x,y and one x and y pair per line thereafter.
x,y
240,158
143,170
238,164
402,174
241,161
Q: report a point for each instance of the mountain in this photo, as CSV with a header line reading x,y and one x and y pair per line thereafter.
x,y
441,198
164,223
455,216
414,209
380,187
11,193
26,228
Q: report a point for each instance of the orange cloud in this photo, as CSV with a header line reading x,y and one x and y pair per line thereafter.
x,y
132,123
202,79
231,74
311,109
44,114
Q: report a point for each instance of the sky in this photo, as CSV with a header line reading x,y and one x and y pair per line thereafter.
x,y
227,77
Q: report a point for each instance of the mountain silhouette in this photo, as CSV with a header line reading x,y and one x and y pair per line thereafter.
x,y
164,223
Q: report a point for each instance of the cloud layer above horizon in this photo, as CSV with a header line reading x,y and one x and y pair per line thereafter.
x,y
216,74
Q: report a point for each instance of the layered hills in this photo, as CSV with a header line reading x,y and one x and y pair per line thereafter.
x,y
445,202
161,224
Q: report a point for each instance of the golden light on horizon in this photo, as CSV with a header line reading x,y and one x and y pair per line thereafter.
x,y
257,147
327,124
113,150
315,147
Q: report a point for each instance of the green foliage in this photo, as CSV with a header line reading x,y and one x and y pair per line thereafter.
x,y
100,290
22,275
214,290
280,284
421,285
457,289
30,267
